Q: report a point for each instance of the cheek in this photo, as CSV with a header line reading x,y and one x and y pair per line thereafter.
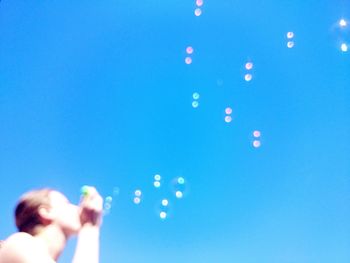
x,y
75,216
71,218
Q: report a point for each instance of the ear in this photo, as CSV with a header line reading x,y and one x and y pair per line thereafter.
x,y
45,214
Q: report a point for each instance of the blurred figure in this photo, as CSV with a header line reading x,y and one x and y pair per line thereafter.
x,y
46,220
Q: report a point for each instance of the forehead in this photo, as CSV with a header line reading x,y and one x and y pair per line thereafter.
x,y
57,198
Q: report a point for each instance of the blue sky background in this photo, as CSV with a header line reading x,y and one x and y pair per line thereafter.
x,y
97,93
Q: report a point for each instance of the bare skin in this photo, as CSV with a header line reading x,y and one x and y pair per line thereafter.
x,y
61,220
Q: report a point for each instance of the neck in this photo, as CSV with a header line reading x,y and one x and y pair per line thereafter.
x,y
53,239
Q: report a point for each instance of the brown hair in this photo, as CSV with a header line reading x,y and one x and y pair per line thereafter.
x,y
27,210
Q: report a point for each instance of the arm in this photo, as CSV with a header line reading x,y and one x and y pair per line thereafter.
x,y
87,250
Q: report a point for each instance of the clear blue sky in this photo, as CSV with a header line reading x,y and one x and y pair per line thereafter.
x,y
98,93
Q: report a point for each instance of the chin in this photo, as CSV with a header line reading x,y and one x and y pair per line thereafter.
x,y
73,231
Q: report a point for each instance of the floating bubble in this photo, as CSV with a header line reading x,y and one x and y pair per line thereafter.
x,y
248,77
199,2
181,180
256,134
162,215
165,202
290,44
343,23
228,110
256,143
138,193
344,47
188,60
195,96
156,184
249,65
107,206
137,200
195,104
178,194
189,50
220,82
106,211
290,35
157,177
197,12
116,191
109,199
228,119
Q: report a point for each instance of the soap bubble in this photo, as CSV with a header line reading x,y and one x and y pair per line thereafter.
x,y
156,184
116,191
256,144
290,35
109,199
195,104
165,202
249,65
256,134
248,77
220,82
228,110
181,180
197,12
188,60
228,119
195,96
189,50
162,215
178,194
343,23
290,44
157,177
344,47
199,2
137,200
107,206
138,193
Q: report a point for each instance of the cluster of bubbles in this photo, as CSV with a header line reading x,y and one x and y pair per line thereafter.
x,y
248,76
256,139
290,39
107,204
157,181
228,112
195,97
343,24
179,188
137,197
189,52
198,10
163,209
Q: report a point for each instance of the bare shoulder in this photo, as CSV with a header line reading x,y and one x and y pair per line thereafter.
x,y
19,237
22,248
